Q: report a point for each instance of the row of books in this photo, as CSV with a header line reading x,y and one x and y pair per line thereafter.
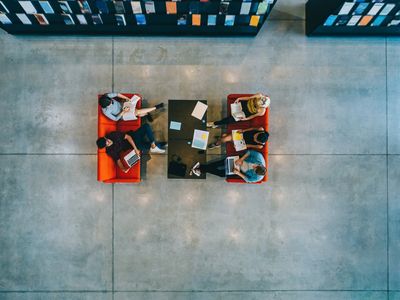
x,y
138,19
365,14
138,7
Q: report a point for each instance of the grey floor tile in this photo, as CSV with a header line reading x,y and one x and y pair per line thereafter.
x,y
394,296
56,296
55,224
53,84
318,102
394,224
255,296
393,81
319,223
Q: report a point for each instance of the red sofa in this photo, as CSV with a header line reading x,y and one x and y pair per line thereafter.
x,y
256,122
107,169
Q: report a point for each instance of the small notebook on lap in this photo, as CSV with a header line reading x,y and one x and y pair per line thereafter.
x,y
130,115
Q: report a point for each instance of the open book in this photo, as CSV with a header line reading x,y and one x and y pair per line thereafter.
x,y
237,111
130,115
238,140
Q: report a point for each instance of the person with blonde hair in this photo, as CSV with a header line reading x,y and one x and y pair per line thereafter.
x,y
252,106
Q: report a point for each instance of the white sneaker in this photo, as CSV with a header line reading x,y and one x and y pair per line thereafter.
x,y
211,125
197,172
196,165
157,150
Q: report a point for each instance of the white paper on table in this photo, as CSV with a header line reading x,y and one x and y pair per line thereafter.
x,y
199,110
130,115
175,125
200,139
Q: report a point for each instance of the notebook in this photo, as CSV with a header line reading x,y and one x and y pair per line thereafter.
x,y
130,115
238,140
237,111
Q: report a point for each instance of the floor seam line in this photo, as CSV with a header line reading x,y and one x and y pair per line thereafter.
x,y
387,180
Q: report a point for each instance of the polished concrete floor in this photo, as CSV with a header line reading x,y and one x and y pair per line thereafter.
x,y
325,226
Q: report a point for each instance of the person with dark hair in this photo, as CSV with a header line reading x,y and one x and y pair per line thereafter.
x,y
112,107
250,167
117,142
255,138
253,106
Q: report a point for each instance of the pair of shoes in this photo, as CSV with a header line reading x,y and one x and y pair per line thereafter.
x,y
195,170
162,145
160,105
214,145
211,125
157,150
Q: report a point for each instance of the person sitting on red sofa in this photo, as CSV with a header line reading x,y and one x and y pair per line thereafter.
x,y
117,142
112,107
253,106
250,167
255,138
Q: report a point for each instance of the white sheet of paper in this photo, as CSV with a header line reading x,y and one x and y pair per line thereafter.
x,y
200,139
175,125
199,110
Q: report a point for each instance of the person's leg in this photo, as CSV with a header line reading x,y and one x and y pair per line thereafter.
x,y
216,167
225,121
139,137
144,111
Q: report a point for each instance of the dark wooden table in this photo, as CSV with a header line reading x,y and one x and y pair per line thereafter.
x,y
181,155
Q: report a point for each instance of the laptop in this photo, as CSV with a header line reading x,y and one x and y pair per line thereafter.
x,y
230,164
131,158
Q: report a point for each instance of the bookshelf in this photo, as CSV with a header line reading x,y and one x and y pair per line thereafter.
x,y
360,17
159,17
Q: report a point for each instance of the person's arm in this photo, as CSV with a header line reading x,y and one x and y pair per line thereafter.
x,y
240,174
239,161
123,97
253,128
111,116
260,113
130,140
122,167
258,147
248,97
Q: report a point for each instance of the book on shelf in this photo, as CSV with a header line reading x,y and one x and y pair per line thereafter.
x,y
254,20
330,20
42,20
196,20
119,7
65,7
387,9
46,7
171,7
354,20
360,9
84,7
346,8
4,19
28,7
378,21
245,8
365,20
149,6
120,19
97,20
136,7
229,20
375,9
262,8
140,19
3,8
81,18
182,20
24,19
212,20
68,19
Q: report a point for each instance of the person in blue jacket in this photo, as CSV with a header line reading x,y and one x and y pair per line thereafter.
x,y
250,167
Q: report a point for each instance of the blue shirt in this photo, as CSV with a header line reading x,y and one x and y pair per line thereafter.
x,y
114,109
254,158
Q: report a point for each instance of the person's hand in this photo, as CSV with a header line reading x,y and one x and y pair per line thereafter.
x,y
236,171
239,130
239,162
137,151
126,108
242,118
126,170
237,100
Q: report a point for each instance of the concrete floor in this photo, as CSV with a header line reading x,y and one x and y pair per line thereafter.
x,y
325,226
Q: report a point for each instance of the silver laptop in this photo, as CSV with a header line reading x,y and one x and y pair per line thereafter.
x,y
230,164
131,158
